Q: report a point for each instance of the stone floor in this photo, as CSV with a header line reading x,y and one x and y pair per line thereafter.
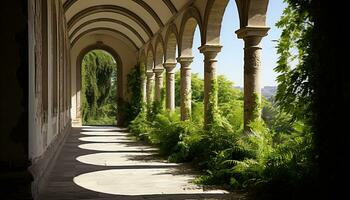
x,y
103,163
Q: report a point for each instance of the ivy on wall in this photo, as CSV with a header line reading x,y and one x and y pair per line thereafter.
x,y
133,107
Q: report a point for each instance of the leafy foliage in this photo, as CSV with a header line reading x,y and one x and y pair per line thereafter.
x,y
134,106
99,88
294,90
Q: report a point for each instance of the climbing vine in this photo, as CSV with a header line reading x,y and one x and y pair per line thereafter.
x,y
134,106
212,111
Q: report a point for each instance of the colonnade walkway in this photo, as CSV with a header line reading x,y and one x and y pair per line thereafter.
x,y
103,163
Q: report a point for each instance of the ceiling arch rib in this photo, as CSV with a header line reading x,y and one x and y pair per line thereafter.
x,y
98,29
151,11
171,6
110,25
81,26
112,15
109,8
97,36
161,8
68,3
137,7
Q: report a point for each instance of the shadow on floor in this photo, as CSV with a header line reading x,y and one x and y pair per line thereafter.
x,y
135,172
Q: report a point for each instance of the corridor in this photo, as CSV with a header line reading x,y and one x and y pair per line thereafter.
x,y
105,163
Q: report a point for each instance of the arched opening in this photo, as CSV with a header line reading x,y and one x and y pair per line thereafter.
x,y
191,20
102,65
158,72
171,53
99,88
197,79
222,21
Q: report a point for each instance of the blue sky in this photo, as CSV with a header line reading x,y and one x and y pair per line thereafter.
x,y
230,59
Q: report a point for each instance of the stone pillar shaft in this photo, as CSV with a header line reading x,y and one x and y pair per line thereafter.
x,y
170,85
210,94
144,88
149,86
185,84
158,84
252,37
143,83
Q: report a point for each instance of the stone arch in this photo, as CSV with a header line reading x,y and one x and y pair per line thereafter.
x,y
159,53
150,58
171,41
114,21
252,12
117,58
109,8
214,13
190,20
78,37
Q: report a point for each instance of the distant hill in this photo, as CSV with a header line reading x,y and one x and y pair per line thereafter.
x,y
267,91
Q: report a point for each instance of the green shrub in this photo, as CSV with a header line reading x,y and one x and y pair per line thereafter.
x,y
140,126
277,151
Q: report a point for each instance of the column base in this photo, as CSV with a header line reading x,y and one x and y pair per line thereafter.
x,y
77,122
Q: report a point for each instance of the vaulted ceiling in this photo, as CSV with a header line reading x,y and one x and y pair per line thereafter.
x,y
132,21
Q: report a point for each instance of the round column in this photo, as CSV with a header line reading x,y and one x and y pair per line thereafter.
x,y
149,86
210,81
158,84
252,66
170,85
185,84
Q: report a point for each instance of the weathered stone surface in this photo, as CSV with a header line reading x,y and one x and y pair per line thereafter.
x,y
185,85
149,86
252,37
170,85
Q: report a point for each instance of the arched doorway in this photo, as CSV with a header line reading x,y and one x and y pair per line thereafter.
x,y
78,110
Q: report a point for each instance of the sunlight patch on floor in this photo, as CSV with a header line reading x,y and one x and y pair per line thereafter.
x,y
123,159
140,182
105,139
99,133
115,147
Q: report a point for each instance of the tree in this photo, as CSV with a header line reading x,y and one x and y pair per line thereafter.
x,y
294,90
99,83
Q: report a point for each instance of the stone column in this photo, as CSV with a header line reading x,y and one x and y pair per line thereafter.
x,y
149,86
78,120
252,63
170,85
158,84
143,83
210,82
185,84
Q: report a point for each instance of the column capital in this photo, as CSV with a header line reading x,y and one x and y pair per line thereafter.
x,y
158,70
169,64
149,74
169,67
252,31
215,48
185,61
210,51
